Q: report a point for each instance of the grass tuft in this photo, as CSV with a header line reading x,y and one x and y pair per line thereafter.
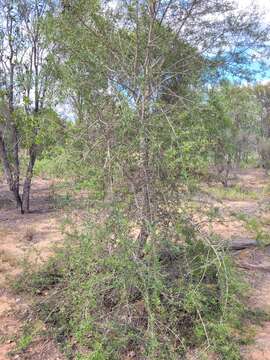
x,y
233,193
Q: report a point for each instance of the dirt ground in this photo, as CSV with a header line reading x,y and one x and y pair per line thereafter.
x,y
33,237
255,262
30,237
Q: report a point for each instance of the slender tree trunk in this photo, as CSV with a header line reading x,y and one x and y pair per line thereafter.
x,y
34,148
16,171
28,179
13,178
144,176
146,216
8,174
5,162
146,202
226,173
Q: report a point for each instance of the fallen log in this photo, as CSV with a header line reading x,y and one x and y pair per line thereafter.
x,y
247,266
242,243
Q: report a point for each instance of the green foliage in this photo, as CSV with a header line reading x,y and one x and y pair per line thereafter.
x,y
182,150
232,114
54,163
41,280
44,129
233,193
144,130
257,227
113,303
24,342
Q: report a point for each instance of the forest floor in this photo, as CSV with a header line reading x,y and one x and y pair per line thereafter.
x,y
244,210
243,215
23,239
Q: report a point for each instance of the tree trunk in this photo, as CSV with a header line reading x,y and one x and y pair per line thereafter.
x,y
28,179
241,244
146,216
145,178
13,186
15,145
12,174
33,149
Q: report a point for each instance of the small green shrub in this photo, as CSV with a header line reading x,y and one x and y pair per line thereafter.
x,y
255,226
24,342
181,294
54,164
38,281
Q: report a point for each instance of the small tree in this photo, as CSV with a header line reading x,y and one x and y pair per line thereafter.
x,y
25,76
233,115
262,92
147,58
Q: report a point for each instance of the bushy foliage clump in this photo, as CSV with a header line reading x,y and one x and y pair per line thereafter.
x,y
106,302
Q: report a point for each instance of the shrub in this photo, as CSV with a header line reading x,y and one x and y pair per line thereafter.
x,y
182,293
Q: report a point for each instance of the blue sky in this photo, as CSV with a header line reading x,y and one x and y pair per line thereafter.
x,y
264,7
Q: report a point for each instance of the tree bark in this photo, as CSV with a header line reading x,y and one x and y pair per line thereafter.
x,y
14,177
145,178
8,174
242,243
28,179
33,149
146,216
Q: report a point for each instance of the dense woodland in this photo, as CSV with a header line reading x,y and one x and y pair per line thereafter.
x,y
134,104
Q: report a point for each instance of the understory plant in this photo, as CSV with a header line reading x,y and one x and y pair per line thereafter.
x,y
104,300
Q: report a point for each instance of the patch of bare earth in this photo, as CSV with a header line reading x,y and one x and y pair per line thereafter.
x,y
254,262
30,237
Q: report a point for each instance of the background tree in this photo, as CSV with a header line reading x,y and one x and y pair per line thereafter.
x,y
233,126
262,92
24,80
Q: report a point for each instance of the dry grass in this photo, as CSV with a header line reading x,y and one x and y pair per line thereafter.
x,y
234,193
8,258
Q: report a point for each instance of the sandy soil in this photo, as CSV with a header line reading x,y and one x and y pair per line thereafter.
x,y
256,261
30,237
